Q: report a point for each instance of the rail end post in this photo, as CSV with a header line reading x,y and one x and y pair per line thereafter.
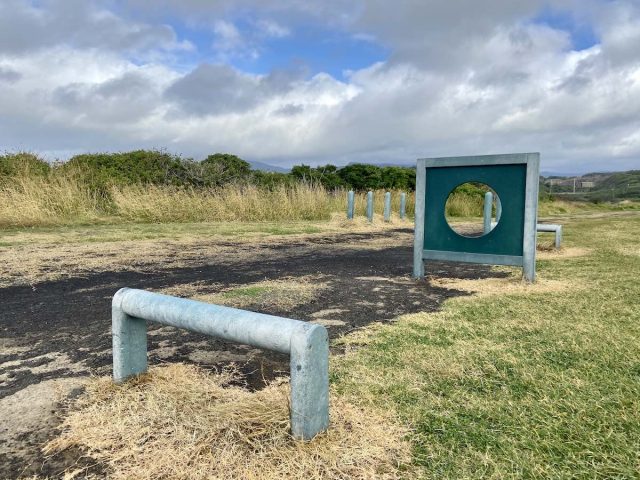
x,y
309,381
129,337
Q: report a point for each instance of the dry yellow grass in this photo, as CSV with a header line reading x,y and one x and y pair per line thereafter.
x,y
63,197
242,203
232,203
500,286
630,250
564,252
284,293
181,422
33,200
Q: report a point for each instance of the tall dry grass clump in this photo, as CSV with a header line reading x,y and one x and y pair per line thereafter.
x,y
64,197
229,203
29,200
460,204
181,422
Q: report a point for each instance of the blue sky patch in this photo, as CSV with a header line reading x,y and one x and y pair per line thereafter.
x,y
582,34
312,47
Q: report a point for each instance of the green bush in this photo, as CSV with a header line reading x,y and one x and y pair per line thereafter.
x,y
223,168
125,168
272,180
327,176
360,176
22,164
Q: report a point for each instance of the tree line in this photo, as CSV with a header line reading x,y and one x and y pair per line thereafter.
x,y
157,167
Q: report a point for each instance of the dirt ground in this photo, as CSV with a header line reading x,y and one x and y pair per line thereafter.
x,y
55,316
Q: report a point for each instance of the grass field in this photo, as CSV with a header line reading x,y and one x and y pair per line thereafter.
x,y
537,382
512,381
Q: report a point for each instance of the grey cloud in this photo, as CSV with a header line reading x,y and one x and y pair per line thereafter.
x,y
437,34
286,12
9,76
220,89
26,27
289,110
618,24
582,76
125,99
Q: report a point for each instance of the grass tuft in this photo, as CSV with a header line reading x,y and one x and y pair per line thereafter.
x,y
181,422
284,293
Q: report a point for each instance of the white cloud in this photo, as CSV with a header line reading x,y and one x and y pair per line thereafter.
x,y
25,27
461,78
272,29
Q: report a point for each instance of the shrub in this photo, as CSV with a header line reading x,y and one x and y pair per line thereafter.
x,y
22,164
140,166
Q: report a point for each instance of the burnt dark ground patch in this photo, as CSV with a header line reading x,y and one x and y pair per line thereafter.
x,y
72,316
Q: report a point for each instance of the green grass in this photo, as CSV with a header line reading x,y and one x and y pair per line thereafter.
x,y
240,292
519,385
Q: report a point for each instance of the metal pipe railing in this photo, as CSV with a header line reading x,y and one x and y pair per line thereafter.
x,y
306,343
551,228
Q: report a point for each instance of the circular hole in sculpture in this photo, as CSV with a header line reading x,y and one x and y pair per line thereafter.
x,y
473,209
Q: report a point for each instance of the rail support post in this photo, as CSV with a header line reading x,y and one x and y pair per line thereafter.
x,y
129,340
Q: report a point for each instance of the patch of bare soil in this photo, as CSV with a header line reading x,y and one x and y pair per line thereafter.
x,y
28,417
564,252
60,329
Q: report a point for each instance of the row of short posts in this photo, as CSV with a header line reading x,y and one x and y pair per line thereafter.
x,y
351,201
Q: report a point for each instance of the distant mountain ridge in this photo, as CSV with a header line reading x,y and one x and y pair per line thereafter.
x,y
265,167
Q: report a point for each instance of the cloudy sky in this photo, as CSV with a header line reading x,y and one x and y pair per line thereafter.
x,y
337,81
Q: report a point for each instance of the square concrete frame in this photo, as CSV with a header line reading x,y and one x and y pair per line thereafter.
x,y
528,258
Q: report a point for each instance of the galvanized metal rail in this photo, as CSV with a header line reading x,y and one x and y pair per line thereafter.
x,y
552,228
306,343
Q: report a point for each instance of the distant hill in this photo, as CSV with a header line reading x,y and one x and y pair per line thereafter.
x,y
595,186
265,167
387,164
